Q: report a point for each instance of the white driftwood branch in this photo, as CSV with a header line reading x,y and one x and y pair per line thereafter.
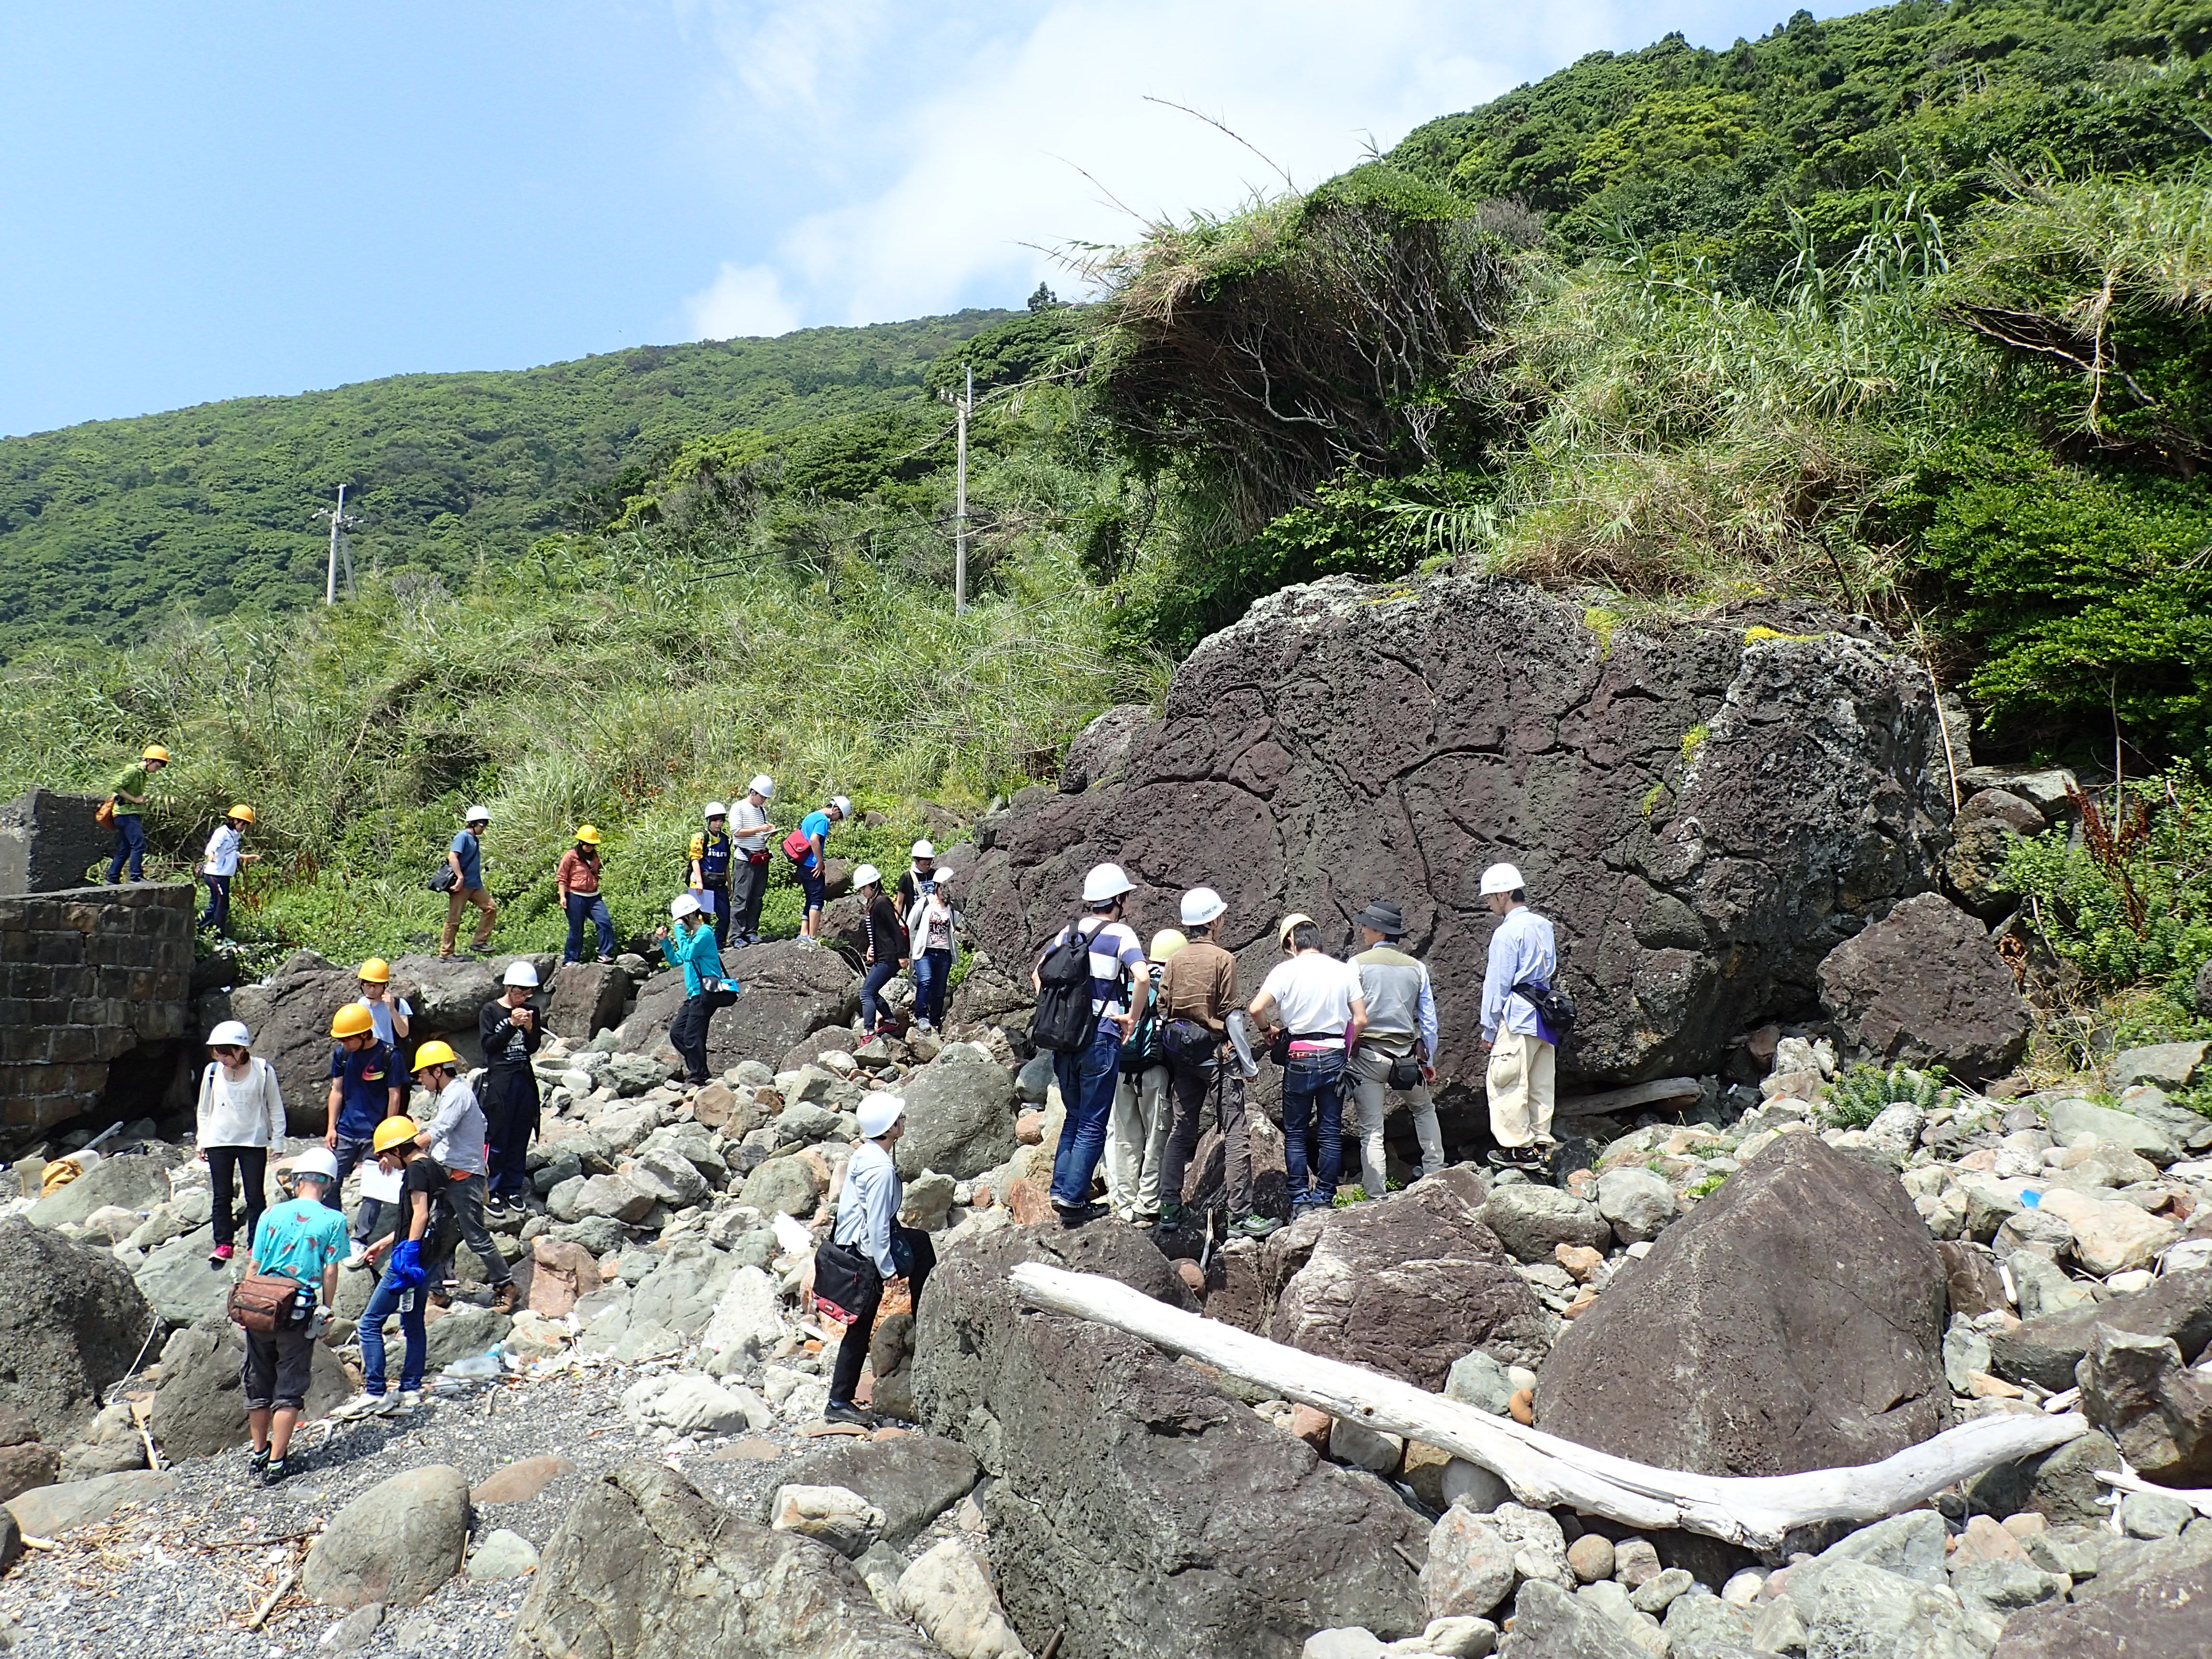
x,y
1543,1470
2198,1497
1622,1099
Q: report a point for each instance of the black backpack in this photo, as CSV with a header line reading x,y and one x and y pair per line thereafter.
x,y
1064,1021
1556,1007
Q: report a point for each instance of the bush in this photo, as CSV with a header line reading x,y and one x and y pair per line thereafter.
x,y
1865,1092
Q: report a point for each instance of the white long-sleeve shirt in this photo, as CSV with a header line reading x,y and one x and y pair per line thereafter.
x,y
457,1129
246,1111
221,858
1523,949
868,1206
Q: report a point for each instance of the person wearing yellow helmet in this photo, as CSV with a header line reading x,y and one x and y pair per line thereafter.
x,y
457,1136
365,1089
417,1181
393,1014
577,882
128,797
219,862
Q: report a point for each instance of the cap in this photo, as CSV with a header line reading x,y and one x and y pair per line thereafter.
x,y
1201,905
375,971
878,1111
231,1034
922,849
316,1161
1165,944
435,1053
1502,878
681,906
352,1020
866,875
391,1131
1282,927
1383,917
764,786
716,810
519,973
476,815
1104,882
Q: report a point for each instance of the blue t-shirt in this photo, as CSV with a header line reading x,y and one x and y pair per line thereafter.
x,y
469,851
815,823
298,1239
365,1081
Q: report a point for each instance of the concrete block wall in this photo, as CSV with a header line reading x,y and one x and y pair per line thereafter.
x,y
87,976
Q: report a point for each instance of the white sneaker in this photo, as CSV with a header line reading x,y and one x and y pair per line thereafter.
x,y
358,1258
365,1404
409,1399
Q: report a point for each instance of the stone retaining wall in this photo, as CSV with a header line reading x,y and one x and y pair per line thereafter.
x,y
89,976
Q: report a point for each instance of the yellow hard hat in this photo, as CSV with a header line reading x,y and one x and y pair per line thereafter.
x,y
154,751
376,970
587,835
1165,944
242,813
434,1053
352,1020
1284,928
393,1132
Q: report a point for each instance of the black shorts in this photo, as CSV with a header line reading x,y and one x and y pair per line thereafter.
x,y
279,1367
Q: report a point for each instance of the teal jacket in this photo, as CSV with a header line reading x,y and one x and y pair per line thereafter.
x,y
698,956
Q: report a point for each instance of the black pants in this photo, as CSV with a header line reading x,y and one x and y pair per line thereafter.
x,y
910,1249
748,887
248,1166
687,1032
278,1369
511,1113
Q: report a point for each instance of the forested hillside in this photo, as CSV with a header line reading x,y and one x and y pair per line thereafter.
x,y
105,526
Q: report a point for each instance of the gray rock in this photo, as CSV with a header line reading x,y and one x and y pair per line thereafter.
x,y
1478,1380
461,1332
803,1123
1351,1642
137,1184
913,1479
598,1234
668,1177
51,1511
786,1184
948,1593
1474,1560
2168,1065
2071,1119
928,1202
586,998
682,1296
2046,1350
1861,1609
843,1520
2201,991
1637,1203
1706,1627
1924,986
2154,1515
2159,1612
688,1403
1550,1623
2136,1387
959,1114
1531,1221
199,1405
502,1554
2068,1547
2060,1485
622,1578
395,1544
71,1322
612,1197
352,1632
1997,1590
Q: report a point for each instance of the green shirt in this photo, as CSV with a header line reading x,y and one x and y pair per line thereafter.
x,y
133,780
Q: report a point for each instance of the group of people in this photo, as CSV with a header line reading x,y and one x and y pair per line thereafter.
x,y
1167,1033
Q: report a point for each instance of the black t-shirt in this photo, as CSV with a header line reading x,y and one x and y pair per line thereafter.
x,y
424,1173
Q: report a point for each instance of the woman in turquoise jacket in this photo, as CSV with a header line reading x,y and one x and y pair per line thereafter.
x,y
706,987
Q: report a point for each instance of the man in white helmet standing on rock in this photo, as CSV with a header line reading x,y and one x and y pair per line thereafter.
x,y
750,830
1087,1055
1522,1079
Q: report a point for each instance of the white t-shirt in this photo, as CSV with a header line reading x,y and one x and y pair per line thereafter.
x,y
380,1014
745,816
221,858
1313,994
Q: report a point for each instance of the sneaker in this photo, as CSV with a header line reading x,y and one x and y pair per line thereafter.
x,y
220,1256
409,1399
839,1411
1515,1158
273,1471
359,1258
1074,1215
1254,1226
504,1298
366,1405
258,1458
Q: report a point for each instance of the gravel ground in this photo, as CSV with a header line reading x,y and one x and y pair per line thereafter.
x,y
181,1575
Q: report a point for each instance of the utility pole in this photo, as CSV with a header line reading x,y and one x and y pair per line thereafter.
x,y
960,505
338,521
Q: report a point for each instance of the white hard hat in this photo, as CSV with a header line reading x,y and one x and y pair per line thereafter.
x,y
1502,878
476,815
866,875
843,805
716,810
764,786
1199,906
1105,881
316,1161
682,905
922,849
878,1111
519,973
232,1033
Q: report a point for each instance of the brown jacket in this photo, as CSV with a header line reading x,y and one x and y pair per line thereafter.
x,y
1199,982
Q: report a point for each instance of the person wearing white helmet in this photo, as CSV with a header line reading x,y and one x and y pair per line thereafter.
x,y
509,1027
1113,973
750,830
707,987
919,876
887,951
712,855
464,867
241,1117
1522,1079
806,847
1197,1001
868,1249
1137,1134
932,925
302,1239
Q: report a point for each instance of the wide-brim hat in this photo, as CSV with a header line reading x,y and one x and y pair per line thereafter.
x,y
1383,917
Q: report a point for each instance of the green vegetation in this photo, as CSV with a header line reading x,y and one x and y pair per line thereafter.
x,y
1865,1092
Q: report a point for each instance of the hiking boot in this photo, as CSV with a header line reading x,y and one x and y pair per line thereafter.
x,y
840,1411
1074,1215
1524,1158
504,1298
1254,1226
1171,1216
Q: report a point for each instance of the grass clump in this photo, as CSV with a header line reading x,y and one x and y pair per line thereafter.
x,y
1865,1092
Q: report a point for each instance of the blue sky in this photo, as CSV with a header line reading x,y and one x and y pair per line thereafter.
x,y
224,199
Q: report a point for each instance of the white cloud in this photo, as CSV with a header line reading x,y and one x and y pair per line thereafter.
x,y
742,299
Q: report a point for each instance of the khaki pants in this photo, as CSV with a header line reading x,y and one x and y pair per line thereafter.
x,y
1523,1085
1137,1141
457,901
1369,1070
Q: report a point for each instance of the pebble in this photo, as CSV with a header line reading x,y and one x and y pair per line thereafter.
x,y
1635,1562
1590,1557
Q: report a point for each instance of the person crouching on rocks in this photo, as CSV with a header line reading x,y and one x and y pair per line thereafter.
x,y
455,1137
510,1030
706,988
400,1290
301,1239
241,1117
1522,1079
867,1224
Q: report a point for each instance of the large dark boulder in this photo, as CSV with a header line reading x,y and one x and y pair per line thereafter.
x,y
289,1015
447,996
1792,1320
646,1567
1705,811
586,998
1409,1284
2160,1610
913,1479
71,1322
959,1114
1134,1502
787,991
50,841
1925,986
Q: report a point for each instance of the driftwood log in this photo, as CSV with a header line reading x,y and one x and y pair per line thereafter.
x,y
1669,1090
1543,1470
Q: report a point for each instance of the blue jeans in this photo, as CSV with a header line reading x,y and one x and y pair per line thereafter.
x,y
879,975
1087,1081
385,1301
1313,1098
217,914
130,844
933,977
591,907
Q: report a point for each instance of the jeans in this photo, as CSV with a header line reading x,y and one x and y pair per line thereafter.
x,y
879,975
248,1167
463,1204
130,844
1087,1080
748,887
217,914
933,978
1313,1099
581,908
911,1252
386,1300
510,1107
1192,1084
1369,1074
